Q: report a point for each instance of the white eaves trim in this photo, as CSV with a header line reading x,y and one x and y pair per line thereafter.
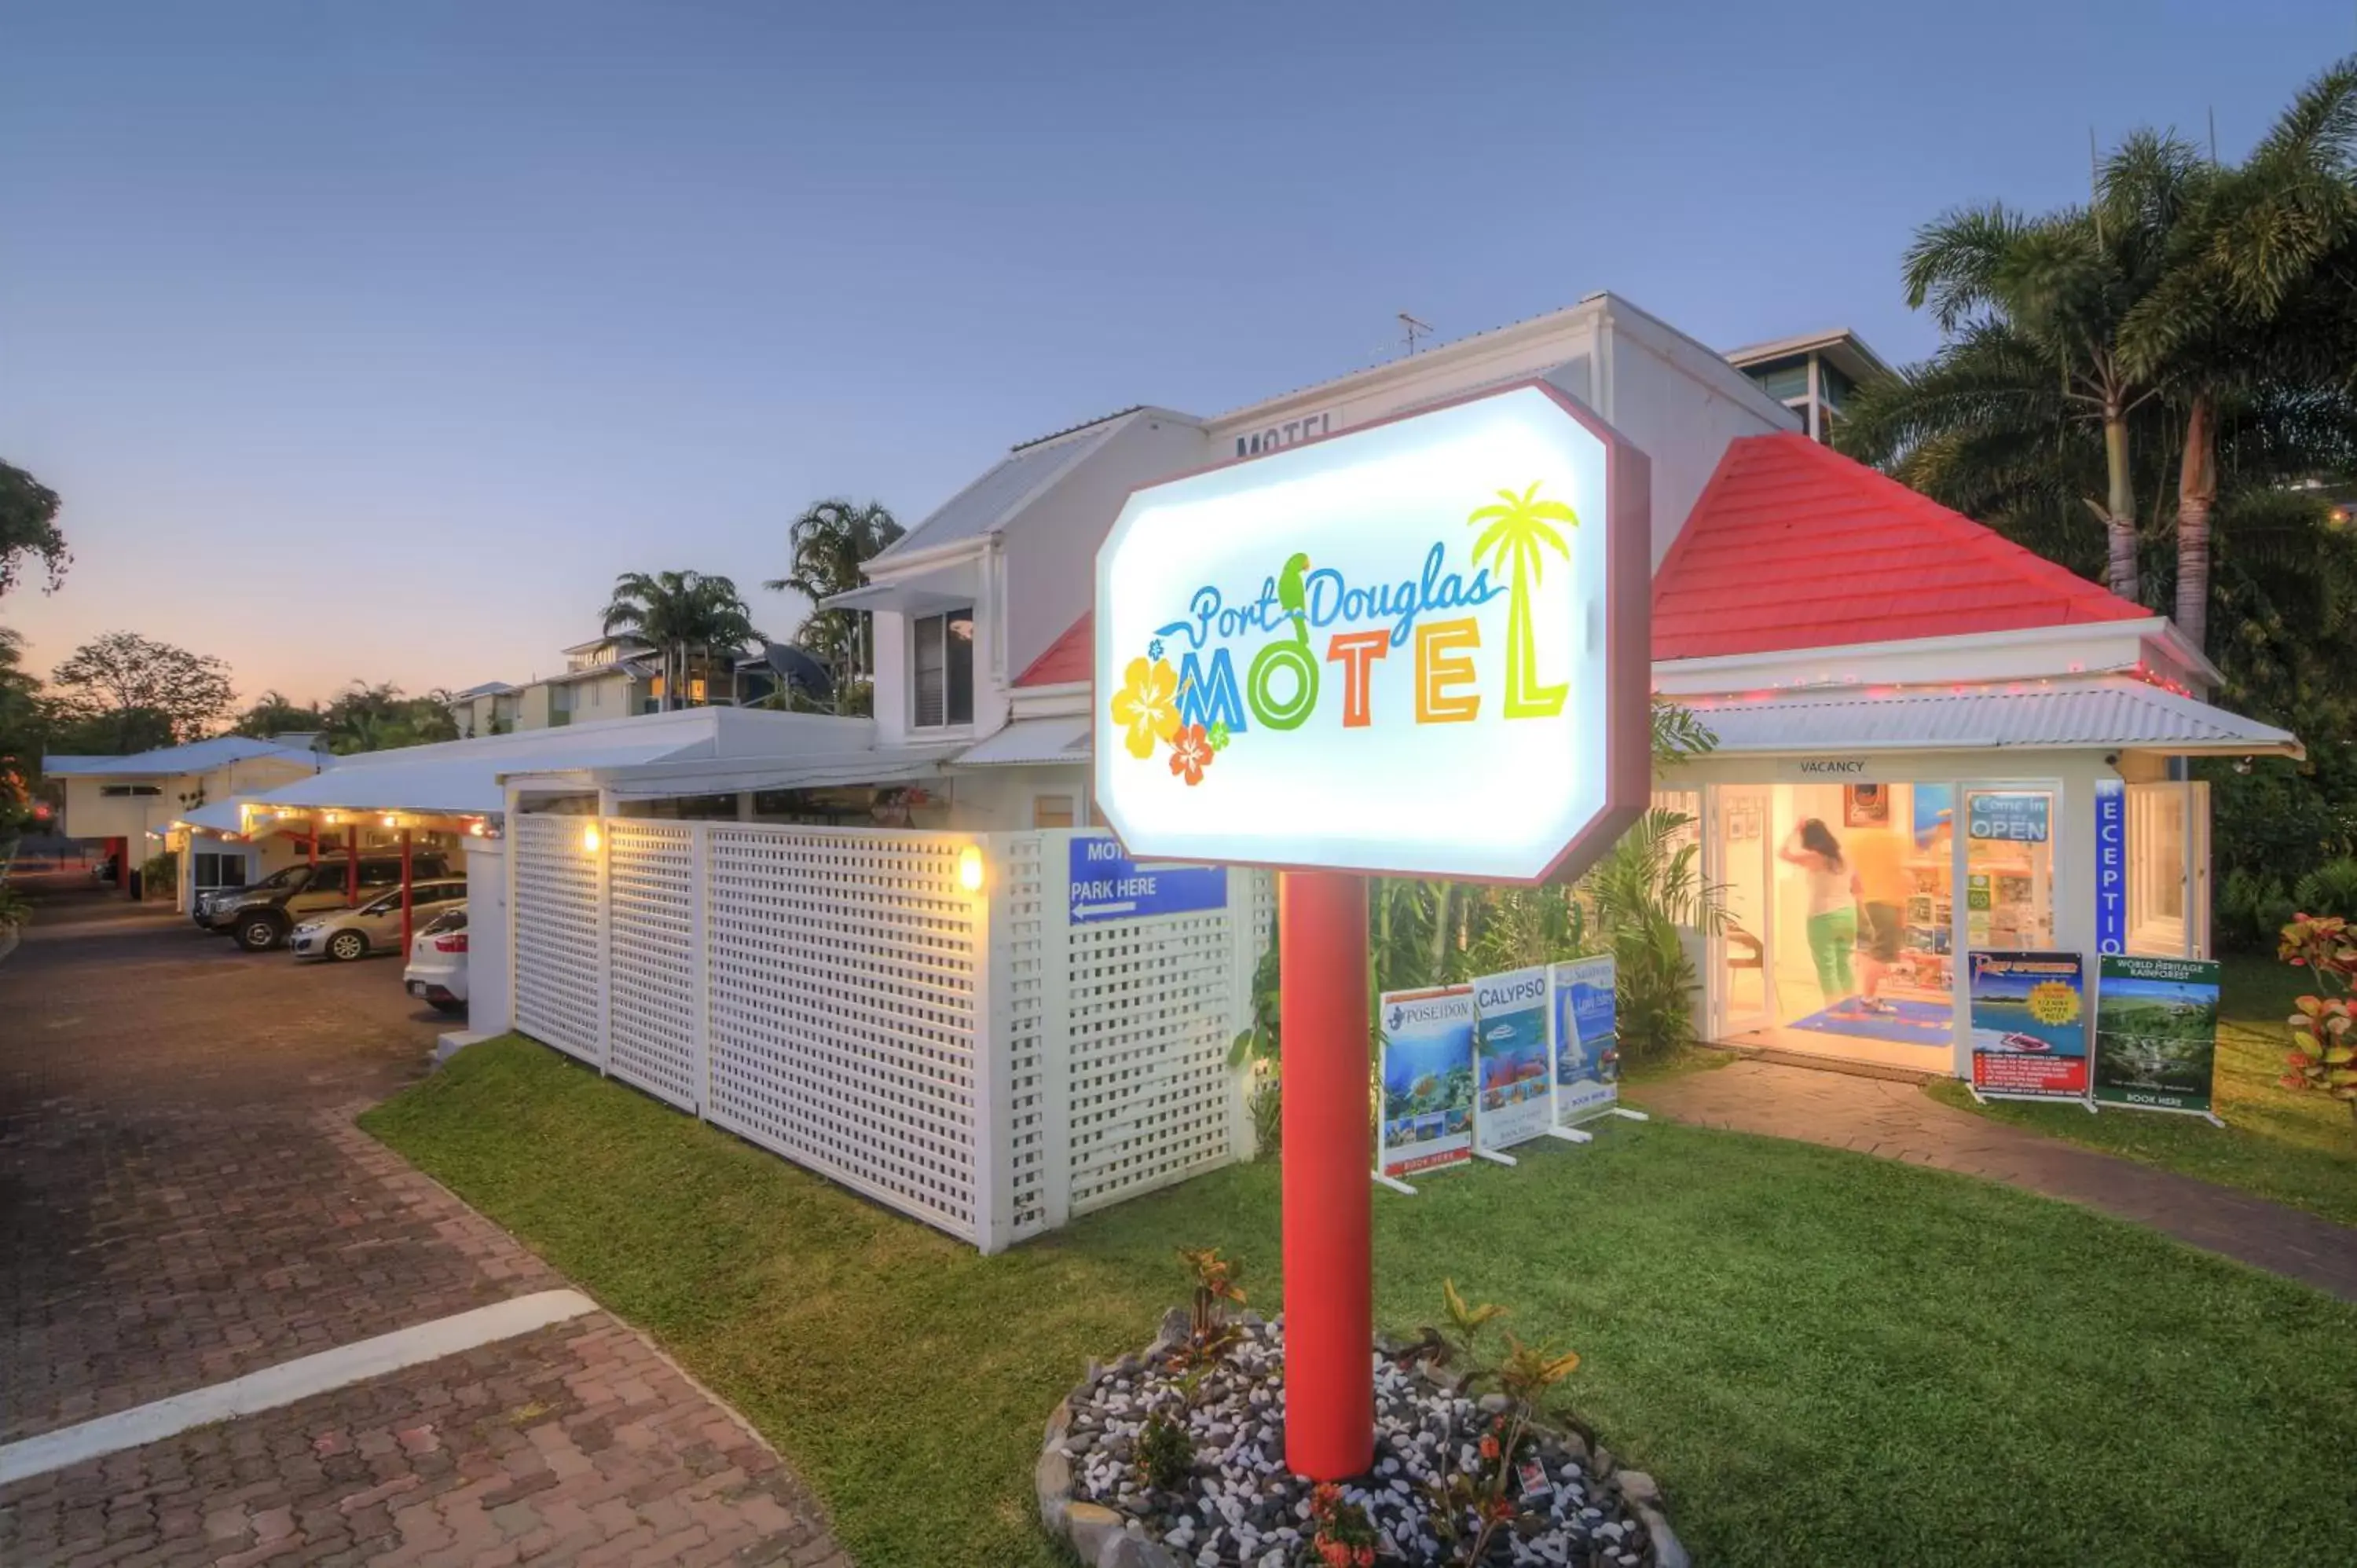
x,y
2080,648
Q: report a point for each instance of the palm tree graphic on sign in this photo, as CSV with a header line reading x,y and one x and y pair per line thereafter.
x,y
1518,535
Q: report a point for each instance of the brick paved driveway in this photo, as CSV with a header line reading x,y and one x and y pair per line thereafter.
x,y
184,1198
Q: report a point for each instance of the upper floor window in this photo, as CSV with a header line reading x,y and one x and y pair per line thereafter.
x,y
944,670
121,789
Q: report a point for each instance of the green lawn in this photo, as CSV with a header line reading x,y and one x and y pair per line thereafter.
x,y
1825,1359
2299,1149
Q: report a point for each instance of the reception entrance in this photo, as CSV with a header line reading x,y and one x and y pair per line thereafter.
x,y
1847,902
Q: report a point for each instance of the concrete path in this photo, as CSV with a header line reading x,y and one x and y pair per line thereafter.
x,y
184,1201
1897,1120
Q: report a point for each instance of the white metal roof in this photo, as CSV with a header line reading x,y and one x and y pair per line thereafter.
x,y
2115,711
197,757
729,775
990,500
1063,739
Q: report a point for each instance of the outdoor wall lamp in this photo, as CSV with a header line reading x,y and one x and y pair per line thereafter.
x,y
970,869
589,839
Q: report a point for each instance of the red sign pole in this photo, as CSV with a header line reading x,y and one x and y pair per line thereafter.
x,y
1329,1399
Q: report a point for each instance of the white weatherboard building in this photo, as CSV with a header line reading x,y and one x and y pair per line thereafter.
x,y
886,951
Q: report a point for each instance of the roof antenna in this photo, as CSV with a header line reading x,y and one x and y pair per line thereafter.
x,y
2213,135
1415,330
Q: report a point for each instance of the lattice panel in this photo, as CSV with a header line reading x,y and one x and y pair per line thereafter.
x,y
651,1018
841,1030
1026,905
1152,1014
1264,909
558,973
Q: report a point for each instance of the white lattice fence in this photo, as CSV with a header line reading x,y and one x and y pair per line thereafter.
x,y
655,992
559,971
989,1063
843,1028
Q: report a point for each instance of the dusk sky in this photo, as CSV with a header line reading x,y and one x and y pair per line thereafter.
x,y
372,341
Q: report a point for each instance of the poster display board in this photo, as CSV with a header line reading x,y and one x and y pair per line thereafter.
x,y
1427,1078
1514,1095
2156,1033
1587,1040
2029,1024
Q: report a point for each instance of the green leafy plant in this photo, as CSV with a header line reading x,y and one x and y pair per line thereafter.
x,y
2329,889
1341,1536
1260,1045
1209,1334
1470,1506
2323,1058
1639,900
14,910
2251,910
1166,1455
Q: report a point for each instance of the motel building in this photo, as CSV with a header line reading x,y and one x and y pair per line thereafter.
x,y
904,953
2004,742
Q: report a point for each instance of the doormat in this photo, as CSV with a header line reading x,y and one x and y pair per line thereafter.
x,y
1914,1023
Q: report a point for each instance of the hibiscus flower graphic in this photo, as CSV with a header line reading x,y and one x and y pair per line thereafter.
x,y
1191,753
1146,706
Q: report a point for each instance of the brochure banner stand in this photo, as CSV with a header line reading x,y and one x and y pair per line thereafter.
x,y
2029,1026
1428,1078
1514,1101
2157,1034
1586,1025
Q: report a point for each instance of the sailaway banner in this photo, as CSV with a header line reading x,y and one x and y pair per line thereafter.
x,y
1587,1040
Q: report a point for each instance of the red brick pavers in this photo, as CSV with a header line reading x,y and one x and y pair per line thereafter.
x,y
184,1198
1897,1120
575,1445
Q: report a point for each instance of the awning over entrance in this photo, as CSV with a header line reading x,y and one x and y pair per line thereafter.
x,y
2115,711
1032,741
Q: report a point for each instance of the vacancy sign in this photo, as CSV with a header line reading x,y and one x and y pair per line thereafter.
x,y
1416,647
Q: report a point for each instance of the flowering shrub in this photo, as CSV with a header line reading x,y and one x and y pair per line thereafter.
x,y
1209,1334
2323,1058
1471,1505
1343,1536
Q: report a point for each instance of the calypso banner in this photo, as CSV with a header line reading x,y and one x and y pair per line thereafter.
x,y
1512,1104
2156,1033
1586,1039
2029,1024
1427,1078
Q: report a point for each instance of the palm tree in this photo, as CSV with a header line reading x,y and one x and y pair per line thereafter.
x,y
2257,294
679,613
830,543
1518,535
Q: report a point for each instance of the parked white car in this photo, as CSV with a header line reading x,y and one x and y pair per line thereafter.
x,y
437,962
375,927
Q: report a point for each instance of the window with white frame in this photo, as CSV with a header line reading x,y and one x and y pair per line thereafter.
x,y
941,666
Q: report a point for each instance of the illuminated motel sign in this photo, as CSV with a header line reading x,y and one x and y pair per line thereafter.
x,y
1418,647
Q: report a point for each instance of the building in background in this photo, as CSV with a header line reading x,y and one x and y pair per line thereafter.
x,y
126,802
1811,375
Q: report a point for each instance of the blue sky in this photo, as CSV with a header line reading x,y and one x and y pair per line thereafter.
x,y
371,341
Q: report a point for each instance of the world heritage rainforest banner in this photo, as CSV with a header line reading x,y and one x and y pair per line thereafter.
x,y
1515,1097
2029,1024
2156,1033
1427,1077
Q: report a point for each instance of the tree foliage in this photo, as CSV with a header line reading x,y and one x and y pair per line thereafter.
x,y
120,681
693,622
29,527
830,544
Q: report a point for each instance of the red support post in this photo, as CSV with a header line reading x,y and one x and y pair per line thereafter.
x,y
405,905
121,850
314,841
1329,1417
352,864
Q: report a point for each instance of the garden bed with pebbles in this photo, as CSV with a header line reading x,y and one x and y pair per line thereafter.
x,y
1243,1508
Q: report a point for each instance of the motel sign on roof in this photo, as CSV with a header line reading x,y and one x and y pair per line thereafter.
x,y
1417,647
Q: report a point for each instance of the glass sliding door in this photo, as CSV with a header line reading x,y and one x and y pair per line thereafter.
x,y
1742,971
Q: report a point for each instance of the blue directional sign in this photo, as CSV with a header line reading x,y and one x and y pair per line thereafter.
x,y
1109,885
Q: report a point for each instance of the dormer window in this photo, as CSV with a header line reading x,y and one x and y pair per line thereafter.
x,y
943,667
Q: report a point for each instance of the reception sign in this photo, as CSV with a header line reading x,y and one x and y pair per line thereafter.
x,y
2111,866
2029,1024
1514,1092
1418,646
1587,1040
2156,1033
1428,1078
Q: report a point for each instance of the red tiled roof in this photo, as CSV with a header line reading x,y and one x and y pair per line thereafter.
x,y
1793,545
1070,656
